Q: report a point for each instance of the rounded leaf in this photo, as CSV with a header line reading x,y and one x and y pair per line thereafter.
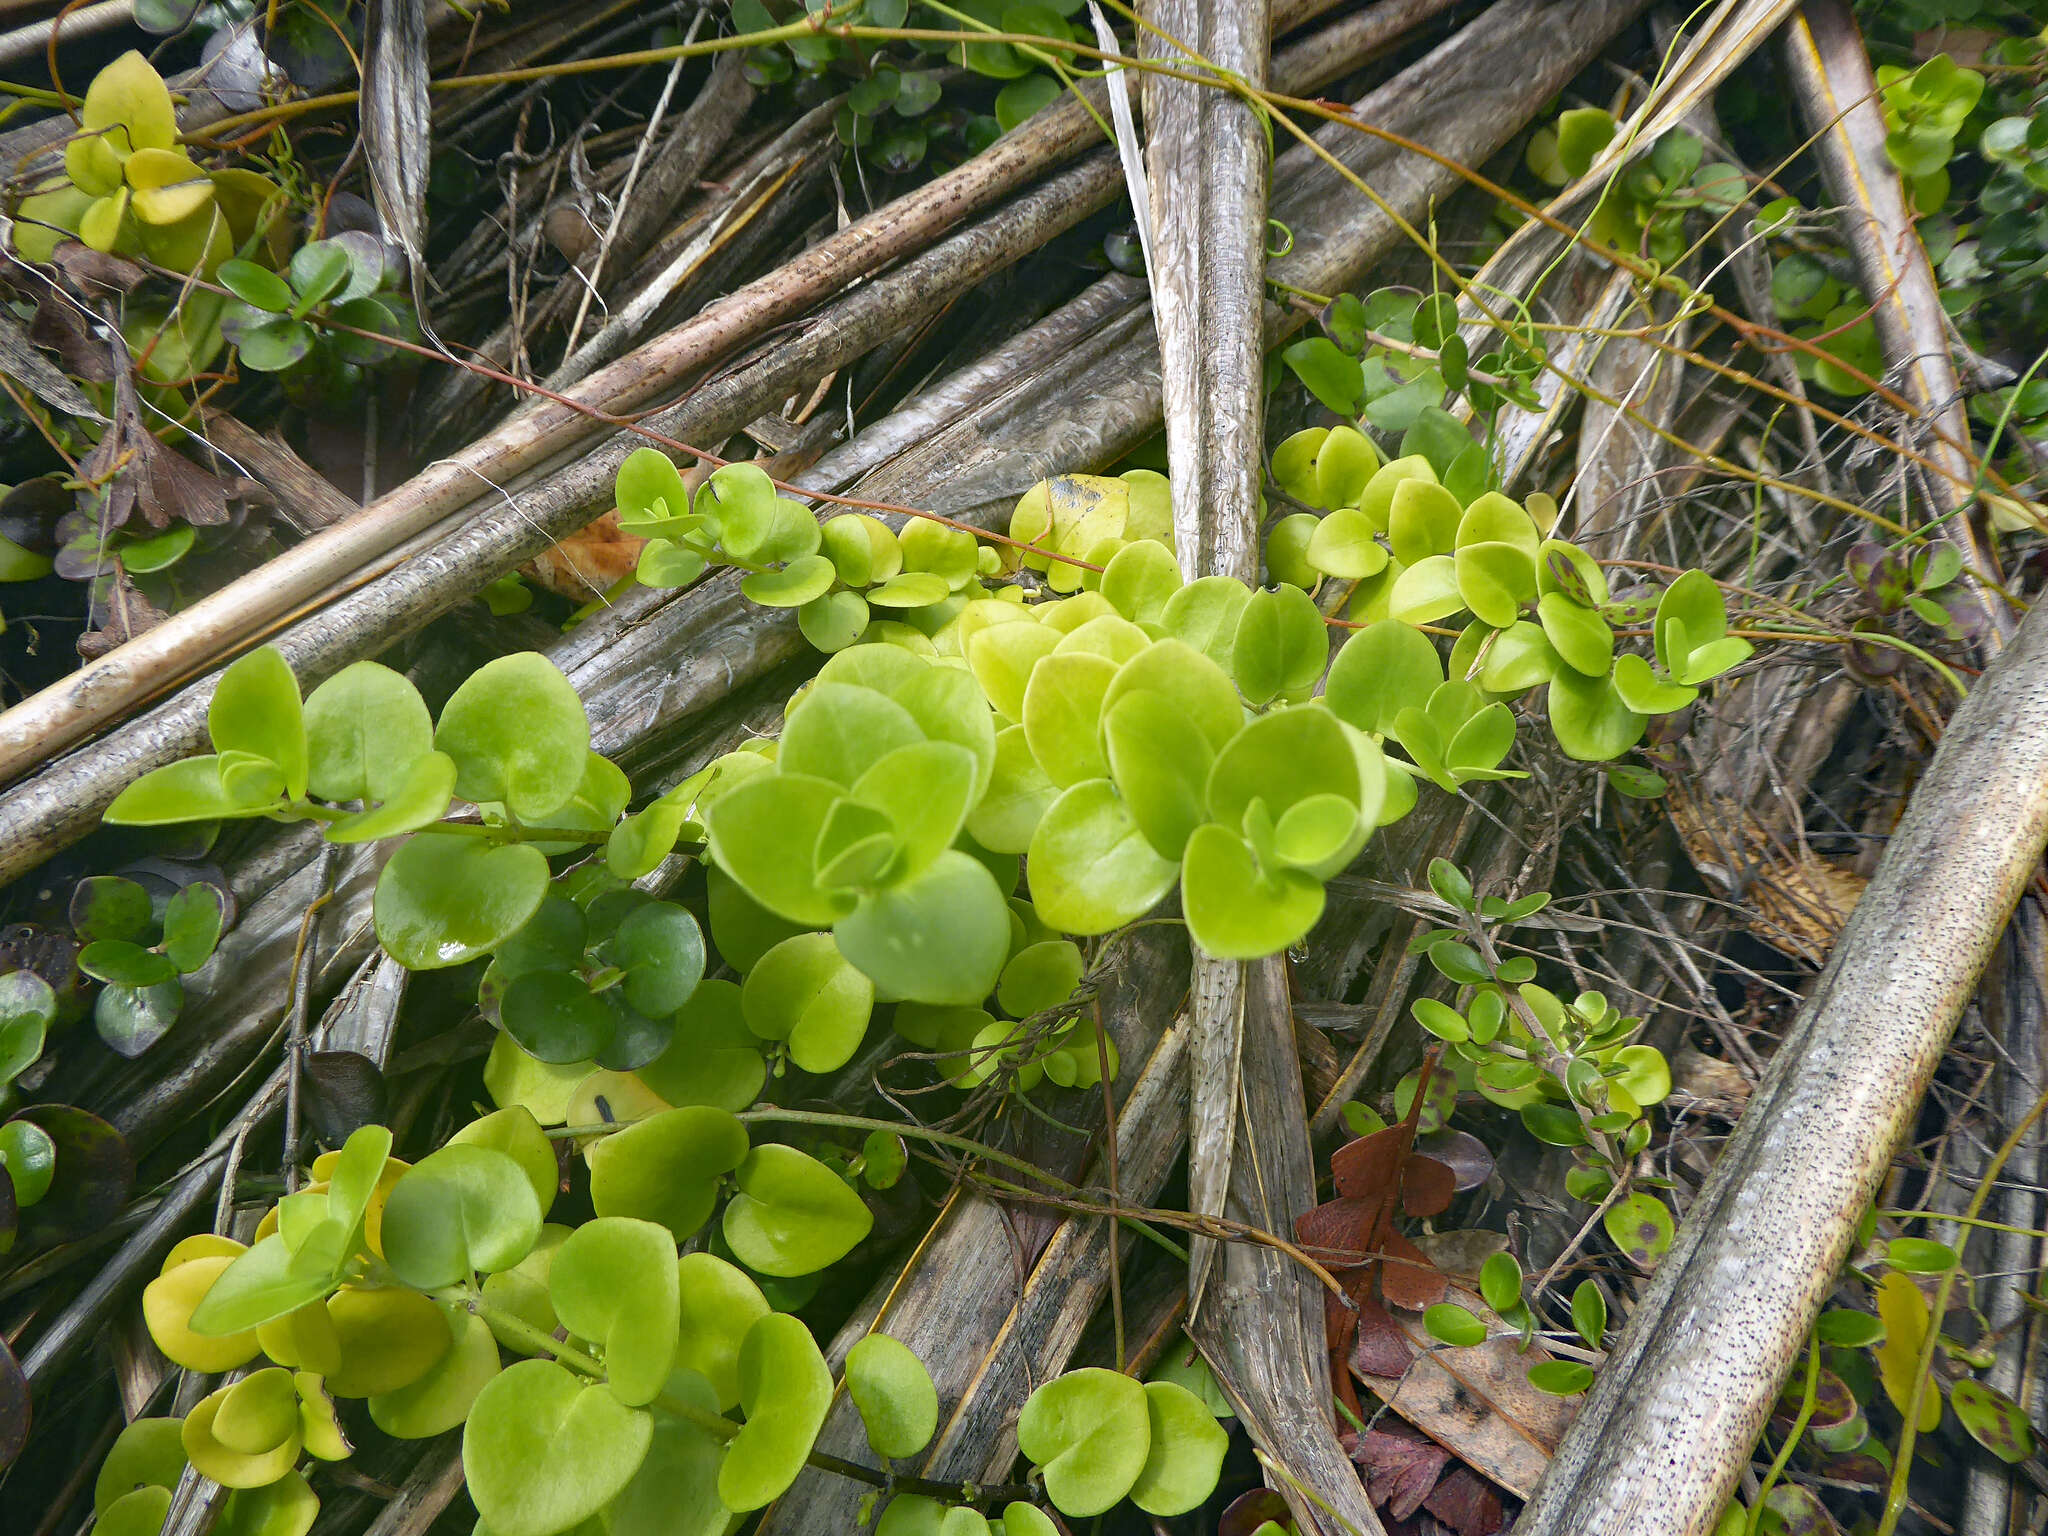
x,y
1092,868
457,1211
614,1282
1185,1455
719,1304
445,900
793,1215
365,728
666,1168
1089,1432
785,1390
939,937
543,1451
805,992
518,735
256,709
899,1406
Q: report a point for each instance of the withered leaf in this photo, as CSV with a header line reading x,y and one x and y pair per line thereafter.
x,y
1426,1186
1400,1466
1366,1167
1467,1503
1407,1279
1380,1348
1337,1233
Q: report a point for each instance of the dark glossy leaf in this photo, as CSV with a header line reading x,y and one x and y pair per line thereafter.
x,y
132,1019
108,907
95,1172
124,964
344,1091
555,1016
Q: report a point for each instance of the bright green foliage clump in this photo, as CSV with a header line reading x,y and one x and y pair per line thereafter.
x,y
408,1286
129,189
1924,109
1540,615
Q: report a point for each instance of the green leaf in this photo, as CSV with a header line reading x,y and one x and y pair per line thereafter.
x,y
418,800
613,1281
1281,645
258,1286
1039,977
1500,1281
1589,1313
796,584
1286,757
793,1215
1920,1256
899,1406
834,621
661,949
518,735
1643,692
785,1390
649,488
939,937
1449,1323
1204,615
667,1167
445,900
1561,1378
256,709
805,992
1334,377
441,1399
1582,132
1381,670
457,1211
1185,1454
1092,869
720,1304
1140,580
192,925
1846,1329
254,285
543,1451
663,564
1426,592
1343,545
1062,711
1994,1420
1236,911
1591,722
1640,1226
753,828
1016,800
1089,1431
365,728
1494,580
712,1058
1160,761
1194,684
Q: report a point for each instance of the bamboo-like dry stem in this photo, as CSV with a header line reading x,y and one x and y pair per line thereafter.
x,y
1670,1422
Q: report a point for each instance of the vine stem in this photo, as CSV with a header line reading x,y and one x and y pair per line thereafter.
x,y
511,1326
1806,1404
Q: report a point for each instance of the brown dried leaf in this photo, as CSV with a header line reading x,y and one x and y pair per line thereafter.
x,y
1380,1348
1337,1232
60,326
1478,1401
1466,1503
1366,1167
1400,1467
95,274
1427,1186
1407,1279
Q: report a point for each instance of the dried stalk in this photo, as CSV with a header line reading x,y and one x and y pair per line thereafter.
x,y
1679,1404
1830,74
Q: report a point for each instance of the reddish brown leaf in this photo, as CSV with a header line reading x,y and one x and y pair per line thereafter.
x,y
1407,1278
1380,1347
1249,1511
1426,1186
1467,1503
1400,1467
1365,1168
1337,1232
